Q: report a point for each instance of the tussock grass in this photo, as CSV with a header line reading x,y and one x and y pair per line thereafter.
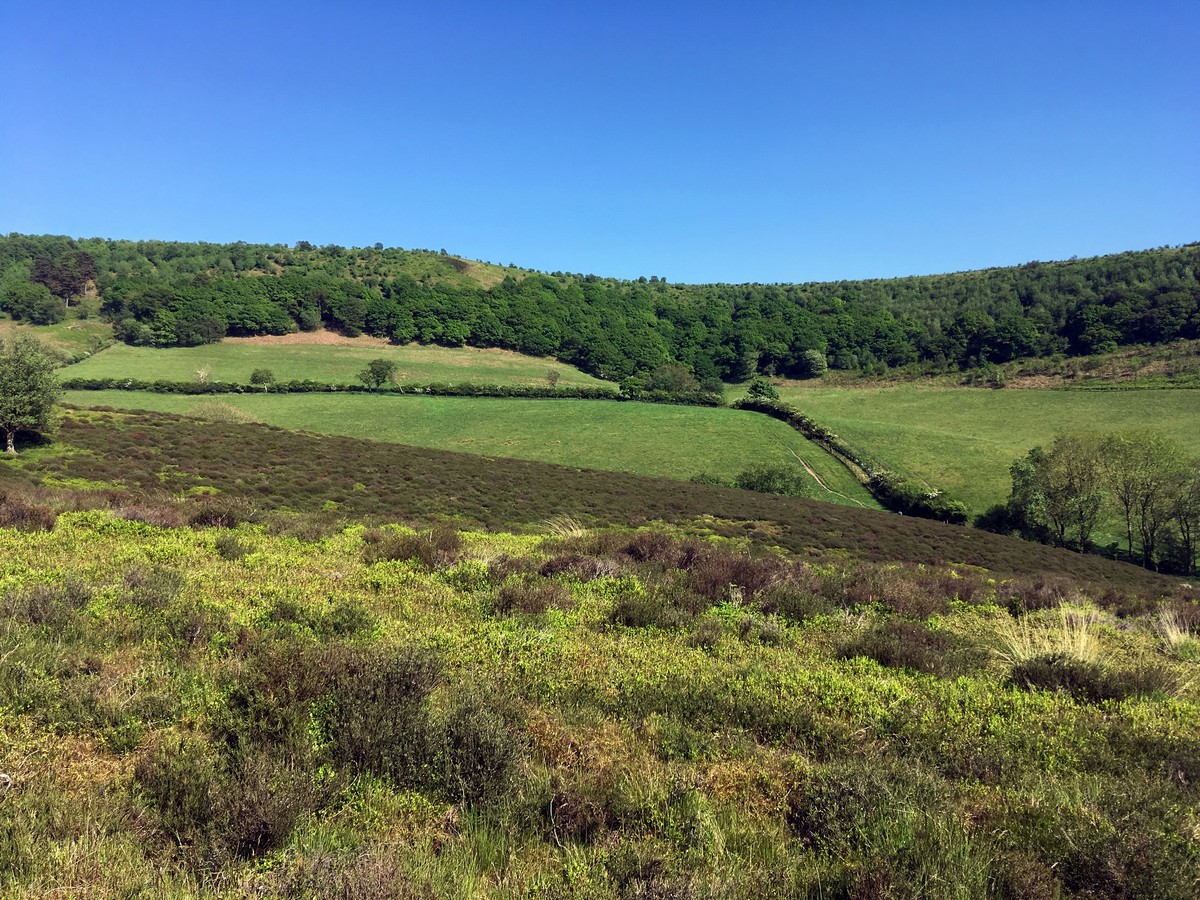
x,y
1066,630
1178,635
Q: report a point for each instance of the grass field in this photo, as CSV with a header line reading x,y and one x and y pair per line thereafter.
x,y
74,336
963,440
645,439
322,357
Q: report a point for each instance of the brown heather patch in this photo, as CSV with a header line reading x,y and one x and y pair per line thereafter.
x,y
270,469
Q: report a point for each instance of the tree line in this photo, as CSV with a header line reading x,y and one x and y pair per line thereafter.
x,y
184,294
1138,481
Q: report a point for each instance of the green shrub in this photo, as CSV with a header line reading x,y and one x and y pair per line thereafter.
x,y
531,595
433,549
787,481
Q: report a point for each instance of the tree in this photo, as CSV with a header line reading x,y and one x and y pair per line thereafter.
x,y
811,364
28,389
552,377
760,387
1060,489
378,373
264,377
1141,469
1185,509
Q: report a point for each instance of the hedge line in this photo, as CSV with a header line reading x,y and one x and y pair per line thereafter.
x,y
892,490
532,392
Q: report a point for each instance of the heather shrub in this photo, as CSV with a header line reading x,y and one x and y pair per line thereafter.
x,y
152,587
433,549
478,752
50,605
531,595
904,644
18,513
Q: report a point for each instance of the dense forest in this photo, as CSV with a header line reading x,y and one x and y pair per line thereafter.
x,y
184,294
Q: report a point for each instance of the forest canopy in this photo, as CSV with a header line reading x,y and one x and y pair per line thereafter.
x,y
160,293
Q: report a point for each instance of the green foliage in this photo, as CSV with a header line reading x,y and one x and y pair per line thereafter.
x,y
28,389
760,387
378,373
788,481
173,294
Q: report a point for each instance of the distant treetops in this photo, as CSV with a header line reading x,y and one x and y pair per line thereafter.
x,y
184,294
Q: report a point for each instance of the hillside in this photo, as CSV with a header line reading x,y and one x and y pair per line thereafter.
x,y
222,679
170,294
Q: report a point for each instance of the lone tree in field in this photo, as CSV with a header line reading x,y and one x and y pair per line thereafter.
x,y
27,388
378,373
263,378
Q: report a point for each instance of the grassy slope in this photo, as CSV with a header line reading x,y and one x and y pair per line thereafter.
x,y
234,360
73,336
647,439
963,440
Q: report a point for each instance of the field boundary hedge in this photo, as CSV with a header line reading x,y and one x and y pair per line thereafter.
x,y
434,389
892,490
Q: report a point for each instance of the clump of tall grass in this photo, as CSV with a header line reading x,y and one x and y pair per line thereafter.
x,y
1068,631
1178,637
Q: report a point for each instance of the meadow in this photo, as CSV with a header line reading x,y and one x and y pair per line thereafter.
x,y
326,357
963,440
646,439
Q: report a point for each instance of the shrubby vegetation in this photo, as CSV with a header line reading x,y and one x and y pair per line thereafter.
x,y
174,294
303,706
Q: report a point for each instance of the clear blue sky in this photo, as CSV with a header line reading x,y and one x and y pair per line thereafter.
x,y
697,141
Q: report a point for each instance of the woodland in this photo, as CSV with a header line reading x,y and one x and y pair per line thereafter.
x,y
167,294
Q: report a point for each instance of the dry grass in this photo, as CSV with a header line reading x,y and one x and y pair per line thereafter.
x,y
1067,631
1178,639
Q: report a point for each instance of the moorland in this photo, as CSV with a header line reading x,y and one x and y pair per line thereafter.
x,y
309,634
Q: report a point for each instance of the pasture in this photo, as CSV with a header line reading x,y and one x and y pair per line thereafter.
x,y
644,439
323,356
963,440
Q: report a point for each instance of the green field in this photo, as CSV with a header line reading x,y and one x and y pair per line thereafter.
x,y
645,439
234,360
963,440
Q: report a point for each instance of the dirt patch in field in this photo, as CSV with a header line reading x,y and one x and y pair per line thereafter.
x,y
323,337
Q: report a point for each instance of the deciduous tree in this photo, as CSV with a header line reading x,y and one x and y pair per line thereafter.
x,y
28,388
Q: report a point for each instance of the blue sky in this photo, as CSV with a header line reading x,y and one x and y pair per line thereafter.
x,y
769,142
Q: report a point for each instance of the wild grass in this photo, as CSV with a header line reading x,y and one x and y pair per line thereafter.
x,y
1065,630
425,712
1179,636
